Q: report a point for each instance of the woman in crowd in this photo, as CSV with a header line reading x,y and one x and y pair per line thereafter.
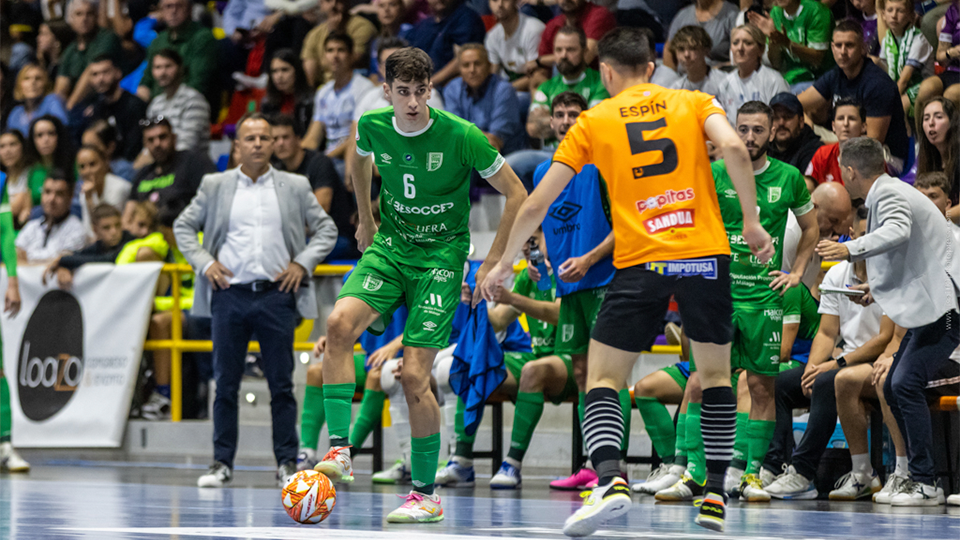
x,y
15,164
946,84
104,136
52,40
98,185
288,91
49,145
940,146
34,92
751,81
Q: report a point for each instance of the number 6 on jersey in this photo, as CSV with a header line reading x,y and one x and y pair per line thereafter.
x,y
409,190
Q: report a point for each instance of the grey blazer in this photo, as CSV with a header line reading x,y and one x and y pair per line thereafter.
x,y
209,211
913,263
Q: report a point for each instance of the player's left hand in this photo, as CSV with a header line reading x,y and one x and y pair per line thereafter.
x,y
784,281
864,300
759,242
291,278
490,280
574,268
829,250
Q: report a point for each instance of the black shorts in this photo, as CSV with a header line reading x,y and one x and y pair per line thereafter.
x,y
638,297
949,78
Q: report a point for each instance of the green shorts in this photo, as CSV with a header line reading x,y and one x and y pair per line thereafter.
x,y
756,340
578,315
514,362
677,375
791,364
430,294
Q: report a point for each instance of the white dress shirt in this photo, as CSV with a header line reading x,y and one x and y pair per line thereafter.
x,y
254,249
42,242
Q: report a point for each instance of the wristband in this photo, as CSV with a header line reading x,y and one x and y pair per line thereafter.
x,y
841,362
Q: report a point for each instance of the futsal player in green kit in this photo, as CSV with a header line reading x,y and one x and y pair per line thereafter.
x,y
415,258
757,291
10,460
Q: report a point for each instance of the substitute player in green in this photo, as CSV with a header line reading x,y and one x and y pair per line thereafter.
x,y
416,258
10,460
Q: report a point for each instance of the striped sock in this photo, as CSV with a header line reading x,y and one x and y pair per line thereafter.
x,y
603,432
718,421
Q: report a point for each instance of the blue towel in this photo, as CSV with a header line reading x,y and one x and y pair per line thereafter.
x,y
478,367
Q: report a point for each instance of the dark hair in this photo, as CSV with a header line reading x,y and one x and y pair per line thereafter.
x,y
860,213
107,133
169,54
929,158
932,180
849,101
284,120
95,150
25,161
573,31
692,35
390,43
568,99
864,155
849,25
625,47
301,88
104,211
342,37
409,64
62,33
58,174
250,116
64,154
756,107
104,57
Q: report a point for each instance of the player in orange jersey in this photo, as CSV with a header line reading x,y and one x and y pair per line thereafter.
x,y
650,146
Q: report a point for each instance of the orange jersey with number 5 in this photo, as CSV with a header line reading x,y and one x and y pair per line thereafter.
x,y
650,147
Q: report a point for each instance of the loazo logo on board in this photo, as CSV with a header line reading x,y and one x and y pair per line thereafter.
x,y
51,356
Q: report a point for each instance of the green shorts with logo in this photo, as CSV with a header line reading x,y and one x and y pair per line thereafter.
x,y
756,340
677,375
430,294
514,362
578,316
791,364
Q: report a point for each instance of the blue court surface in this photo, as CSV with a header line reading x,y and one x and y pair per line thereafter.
x,y
122,500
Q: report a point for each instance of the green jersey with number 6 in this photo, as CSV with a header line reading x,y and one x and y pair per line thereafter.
x,y
424,198
780,189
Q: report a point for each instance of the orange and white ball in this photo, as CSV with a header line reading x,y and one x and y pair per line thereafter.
x,y
309,497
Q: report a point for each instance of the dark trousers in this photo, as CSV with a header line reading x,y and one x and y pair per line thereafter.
x,y
820,426
237,316
922,353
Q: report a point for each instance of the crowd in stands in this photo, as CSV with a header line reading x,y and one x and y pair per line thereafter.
x,y
109,109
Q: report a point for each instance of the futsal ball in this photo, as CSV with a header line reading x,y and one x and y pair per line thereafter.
x,y
309,497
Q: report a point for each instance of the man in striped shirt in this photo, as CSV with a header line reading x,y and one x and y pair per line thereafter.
x,y
185,108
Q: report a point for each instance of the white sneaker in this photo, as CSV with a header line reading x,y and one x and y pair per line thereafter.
x,y
685,489
285,473
766,477
10,460
306,459
157,407
731,482
752,491
601,504
418,508
853,486
661,478
792,486
954,500
917,494
508,477
455,475
398,474
216,476
892,487
336,465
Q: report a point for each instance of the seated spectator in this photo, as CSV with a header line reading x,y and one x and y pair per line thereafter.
x,y
289,155
946,84
451,25
513,43
865,13
15,163
390,15
855,76
336,20
34,92
288,91
486,100
799,35
173,178
50,147
335,101
111,103
939,148
794,142
144,220
103,135
591,19
716,17
865,333
907,54
849,121
185,108
52,41
196,45
751,81
57,231
690,46
110,240
99,185
644,14
243,19
91,42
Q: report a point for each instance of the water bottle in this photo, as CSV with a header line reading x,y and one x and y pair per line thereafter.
x,y
539,261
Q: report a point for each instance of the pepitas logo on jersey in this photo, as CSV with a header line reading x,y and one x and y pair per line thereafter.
x,y
665,199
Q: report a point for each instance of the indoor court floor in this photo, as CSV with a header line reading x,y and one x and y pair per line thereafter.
x,y
103,500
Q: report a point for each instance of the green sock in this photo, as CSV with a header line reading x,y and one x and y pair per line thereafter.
x,y
424,453
5,419
741,445
680,455
761,432
696,456
337,399
659,426
371,408
525,418
582,408
464,441
312,417
626,407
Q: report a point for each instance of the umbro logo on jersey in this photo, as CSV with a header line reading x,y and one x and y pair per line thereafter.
x,y
730,193
386,158
566,211
430,326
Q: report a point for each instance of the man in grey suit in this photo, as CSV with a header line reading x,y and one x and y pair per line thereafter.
x,y
253,278
913,273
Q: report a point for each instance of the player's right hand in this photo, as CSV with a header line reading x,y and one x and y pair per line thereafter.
x,y
758,241
495,278
365,234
